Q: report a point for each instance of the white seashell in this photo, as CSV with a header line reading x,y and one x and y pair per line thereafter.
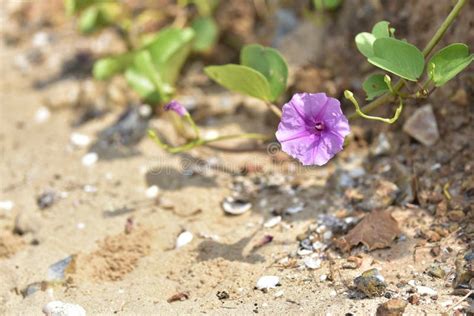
x,y
183,239
6,205
295,209
312,263
90,159
152,192
90,188
42,115
58,308
272,222
279,293
424,290
79,140
236,207
267,282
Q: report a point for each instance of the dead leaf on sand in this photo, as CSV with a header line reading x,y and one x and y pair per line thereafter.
x,y
376,230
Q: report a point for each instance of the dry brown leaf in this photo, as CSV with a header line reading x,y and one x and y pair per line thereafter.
x,y
376,230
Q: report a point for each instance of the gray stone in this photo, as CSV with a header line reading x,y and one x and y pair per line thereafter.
x,y
422,126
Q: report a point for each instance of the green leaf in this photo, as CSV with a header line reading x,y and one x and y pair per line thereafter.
x,y
169,50
240,79
88,21
364,42
143,63
448,62
107,67
270,64
381,29
321,5
142,85
398,57
206,33
74,6
374,86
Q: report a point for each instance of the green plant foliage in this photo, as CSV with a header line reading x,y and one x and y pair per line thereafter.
x,y
269,63
365,41
89,19
206,31
448,62
398,57
169,50
107,67
322,5
74,6
143,86
375,86
95,14
241,79
151,70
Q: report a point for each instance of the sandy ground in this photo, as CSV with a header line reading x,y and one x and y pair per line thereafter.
x,y
136,273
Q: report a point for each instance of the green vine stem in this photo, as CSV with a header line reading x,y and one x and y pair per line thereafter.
x,y
201,141
388,97
350,96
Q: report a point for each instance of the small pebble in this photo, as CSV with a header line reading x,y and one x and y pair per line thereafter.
x,y
393,307
424,290
152,192
6,205
90,188
267,282
42,115
80,140
272,222
371,283
90,159
312,263
183,239
58,308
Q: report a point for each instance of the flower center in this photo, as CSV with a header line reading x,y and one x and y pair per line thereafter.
x,y
319,126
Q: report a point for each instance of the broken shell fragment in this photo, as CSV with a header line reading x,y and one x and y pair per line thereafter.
x,y
272,222
268,282
183,239
236,206
58,308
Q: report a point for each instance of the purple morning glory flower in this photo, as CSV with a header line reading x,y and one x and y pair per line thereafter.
x,y
312,128
177,107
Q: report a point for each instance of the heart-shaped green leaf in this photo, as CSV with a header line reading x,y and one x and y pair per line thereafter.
x,y
240,79
374,86
448,62
364,42
381,29
107,67
270,64
206,33
398,57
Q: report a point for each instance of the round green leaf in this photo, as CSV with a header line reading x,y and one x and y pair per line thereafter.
x,y
206,33
381,29
240,79
374,86
364,42
398,57
269,63
448,62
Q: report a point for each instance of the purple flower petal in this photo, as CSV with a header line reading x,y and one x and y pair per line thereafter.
x,y
312,128
176,107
